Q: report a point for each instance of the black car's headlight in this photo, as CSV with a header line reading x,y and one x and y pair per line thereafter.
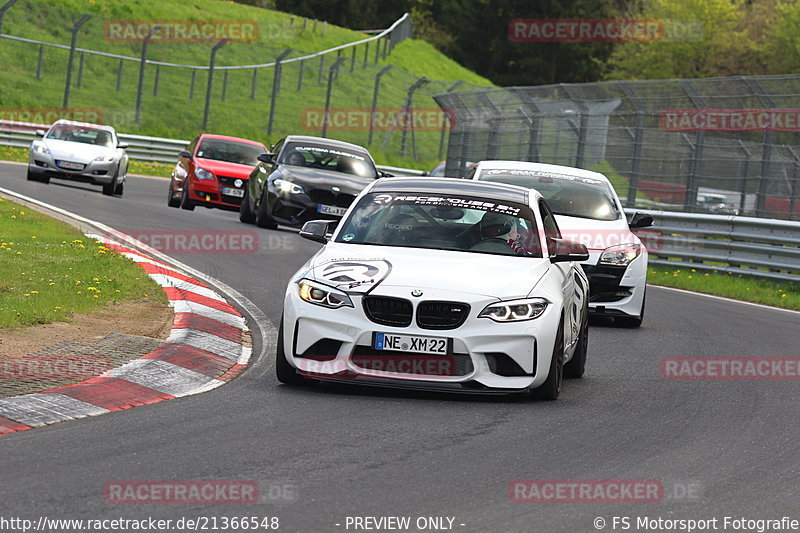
x,y
319,294
288,186
620,255
515,310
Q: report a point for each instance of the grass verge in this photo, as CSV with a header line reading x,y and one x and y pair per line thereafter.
x,y
748,289
49,270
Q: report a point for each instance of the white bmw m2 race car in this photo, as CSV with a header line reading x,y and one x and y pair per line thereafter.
x,y
439,284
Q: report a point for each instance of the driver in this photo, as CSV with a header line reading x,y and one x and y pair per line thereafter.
x,y
296,158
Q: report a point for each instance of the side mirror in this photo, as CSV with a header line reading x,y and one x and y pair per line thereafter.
x,y
122,145
267,157
317,230
39,133
564,250
184,154
641,220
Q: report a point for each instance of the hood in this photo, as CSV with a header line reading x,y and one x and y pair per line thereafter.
x,y
317,178
596,235
359,268
223,168
78,152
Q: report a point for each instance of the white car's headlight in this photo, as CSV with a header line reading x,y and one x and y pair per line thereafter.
x,y
203,174
515,310
105,158
40,148
318,294
288,186
620,255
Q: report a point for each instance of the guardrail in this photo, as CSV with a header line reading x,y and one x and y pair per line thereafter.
x,y
764,248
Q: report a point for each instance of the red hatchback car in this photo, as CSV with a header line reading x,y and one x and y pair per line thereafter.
x,y
213,172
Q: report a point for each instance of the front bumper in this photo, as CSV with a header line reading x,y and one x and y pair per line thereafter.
x,y
209,193
96,172
486,356
614,290
297,209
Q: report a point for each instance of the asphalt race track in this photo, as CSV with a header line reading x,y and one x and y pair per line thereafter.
x,y
363,452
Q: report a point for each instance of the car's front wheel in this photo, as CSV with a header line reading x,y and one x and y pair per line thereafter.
x,y
550,389
186,202
171,200
263,218
285,372
245,212
109,188
577,365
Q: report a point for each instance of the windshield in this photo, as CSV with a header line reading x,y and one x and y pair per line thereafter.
x,y
566,195
459,223
331,158
81,134
230,151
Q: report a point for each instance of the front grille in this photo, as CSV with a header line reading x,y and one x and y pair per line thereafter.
x,y
411,363
229,181
603,280
388,311
327,197
441,315
322,350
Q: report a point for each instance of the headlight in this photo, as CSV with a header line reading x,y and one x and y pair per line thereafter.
x,y
620,255
515,310
105,158
319,294
288,186
203,174
40,149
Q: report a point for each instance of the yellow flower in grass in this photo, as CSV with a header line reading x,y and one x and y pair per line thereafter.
x,y
52,283
57,308
34,292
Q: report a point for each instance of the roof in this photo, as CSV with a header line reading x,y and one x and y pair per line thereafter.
x,y
481,189
76,123
541,167
229,138
323,140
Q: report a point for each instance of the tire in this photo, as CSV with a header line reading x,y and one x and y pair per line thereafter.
x,y
119,190
245,213
550,389
576,366
633,321
108,188
285,372
30,176
171,200
186,203
263,219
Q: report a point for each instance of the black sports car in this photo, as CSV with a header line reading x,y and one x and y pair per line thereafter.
x,y
306,178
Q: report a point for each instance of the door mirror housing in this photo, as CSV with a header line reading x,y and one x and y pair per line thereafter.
x,y
641,220
184,154
564,250
317,230
267,157
39,133
122,145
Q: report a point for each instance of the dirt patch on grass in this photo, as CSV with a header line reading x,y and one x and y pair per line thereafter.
x,y
130,317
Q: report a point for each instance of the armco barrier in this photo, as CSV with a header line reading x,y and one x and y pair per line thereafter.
x,y
764,248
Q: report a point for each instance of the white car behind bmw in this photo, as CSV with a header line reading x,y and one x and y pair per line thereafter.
x,y
438,284
588,211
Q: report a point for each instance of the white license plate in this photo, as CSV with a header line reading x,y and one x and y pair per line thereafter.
x,y
331,210
230,191
71,166
412,343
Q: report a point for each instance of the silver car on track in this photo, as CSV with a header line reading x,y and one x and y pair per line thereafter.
x,y
78,151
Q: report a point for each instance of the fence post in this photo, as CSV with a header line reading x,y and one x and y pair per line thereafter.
x,y
191,85
366,54
377,50
40,62
319,73
142,63
225,85
119,74
693,153
210,84
385,46
636,158
155,81
692,184
300,75
276,87
408,108
353,60
378,77
766,152
745,174
3,10
81,59
253,83
72,46
331,76
447,119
